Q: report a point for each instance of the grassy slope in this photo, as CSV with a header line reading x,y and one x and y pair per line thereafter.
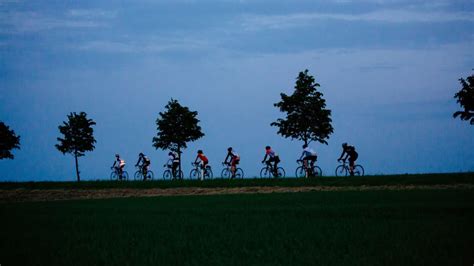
x,y
426,179
327,228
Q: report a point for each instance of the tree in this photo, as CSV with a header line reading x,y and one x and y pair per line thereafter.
x,y
465,97
176,126
78,137
307,118
8,141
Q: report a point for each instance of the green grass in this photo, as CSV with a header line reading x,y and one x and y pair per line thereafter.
x,y
429,227
422,179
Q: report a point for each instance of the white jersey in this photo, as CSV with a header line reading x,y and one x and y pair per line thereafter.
x,y
308,152
174,157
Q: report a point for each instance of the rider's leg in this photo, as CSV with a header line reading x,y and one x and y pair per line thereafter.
x,y
351,166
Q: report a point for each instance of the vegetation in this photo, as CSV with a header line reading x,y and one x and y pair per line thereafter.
x,y
324,228
176,127
465,97
426,179
78,137
307,118
8,141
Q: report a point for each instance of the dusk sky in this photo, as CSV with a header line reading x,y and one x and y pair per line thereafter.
x,y
388,70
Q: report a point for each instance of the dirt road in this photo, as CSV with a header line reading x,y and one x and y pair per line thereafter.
x,y
23,195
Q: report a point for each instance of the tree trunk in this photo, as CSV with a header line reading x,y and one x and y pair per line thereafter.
x,y
179,167
77,168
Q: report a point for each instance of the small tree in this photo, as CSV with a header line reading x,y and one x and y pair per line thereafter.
x,y
465,97
307,118
8,141
78,137
176,126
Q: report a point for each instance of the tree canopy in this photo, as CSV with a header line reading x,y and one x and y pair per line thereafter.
x,y
465,97
8,141
78,136
307,118
176,126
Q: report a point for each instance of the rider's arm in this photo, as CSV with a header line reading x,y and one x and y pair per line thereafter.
x,y
227,157
265,158
347,155
139,159
114,163
342,154
195,160
302,155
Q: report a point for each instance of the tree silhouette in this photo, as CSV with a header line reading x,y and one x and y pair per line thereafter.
x,y
78,137
465,97
8,142
176,126
307,118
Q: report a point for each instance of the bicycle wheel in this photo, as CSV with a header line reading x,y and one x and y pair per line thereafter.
x,y
180,176
317,172
113,176
239,173
341,170
167,175
195,174
125,176
149,175
358,170
265,172
300,172
225,173
280,172
137,176
208,173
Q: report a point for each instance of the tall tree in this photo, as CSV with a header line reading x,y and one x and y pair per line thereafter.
x,y
176,126
307,118
78,137
465,97
8,141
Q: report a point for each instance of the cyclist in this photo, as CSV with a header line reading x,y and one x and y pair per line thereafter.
x,y
234,160
203,161
308,155
145,163
273,158
120,165
174,158
350,152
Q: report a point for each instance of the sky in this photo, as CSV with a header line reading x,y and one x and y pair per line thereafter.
x,y
388,70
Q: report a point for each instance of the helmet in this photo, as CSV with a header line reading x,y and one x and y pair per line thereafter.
x,y
141,154
170,153
305,146
117,155
268,147
199,151
344,144
229,149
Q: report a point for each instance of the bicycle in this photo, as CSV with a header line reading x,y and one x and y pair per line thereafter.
x,y
196,172
139,174
168,173
227,171
115,175
267,172
303,171
343,169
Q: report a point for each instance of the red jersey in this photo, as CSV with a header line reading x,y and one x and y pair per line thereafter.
x,y
203,158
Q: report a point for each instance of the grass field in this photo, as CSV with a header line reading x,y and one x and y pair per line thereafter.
x,y
425,227
421,179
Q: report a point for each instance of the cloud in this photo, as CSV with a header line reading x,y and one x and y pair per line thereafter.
x,y
149,45
92,13
28,22
257,22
